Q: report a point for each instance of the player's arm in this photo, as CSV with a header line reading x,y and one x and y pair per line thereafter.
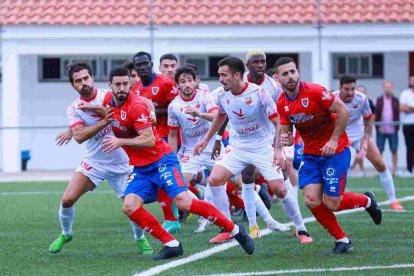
x,y
82,133
97,109
368,122
286,136
215,152
173,139
342,116
151,107
64,137
145,139
195,112
217,122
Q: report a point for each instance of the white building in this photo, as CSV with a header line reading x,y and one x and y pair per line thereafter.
x,y
374,40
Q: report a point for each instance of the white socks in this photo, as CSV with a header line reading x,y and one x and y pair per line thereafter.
x,y
221,200
291,207
138,232
173,243
262,210
235,230
388,184
208,195
66,216
345,240
249,198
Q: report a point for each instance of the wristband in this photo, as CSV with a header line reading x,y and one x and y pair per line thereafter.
x,y
219,137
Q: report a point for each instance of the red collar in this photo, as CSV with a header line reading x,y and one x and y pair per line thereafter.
x,y
246,84
192,98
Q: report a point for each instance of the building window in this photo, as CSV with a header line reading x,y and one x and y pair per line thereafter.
x,y
207,67
361,65
55,68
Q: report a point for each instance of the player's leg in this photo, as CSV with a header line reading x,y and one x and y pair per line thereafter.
x,y
249,199
78,185
140,190
374,156
393,142
117,176
286,195
174,185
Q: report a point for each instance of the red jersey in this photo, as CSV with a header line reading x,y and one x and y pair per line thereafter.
x,y
132,116
310,114
161,91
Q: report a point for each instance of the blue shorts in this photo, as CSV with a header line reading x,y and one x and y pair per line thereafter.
x,y
330,171
297,155
164,173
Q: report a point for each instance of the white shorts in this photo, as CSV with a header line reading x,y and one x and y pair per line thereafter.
x,y
116,174
356,145
289,151
193,164
236,160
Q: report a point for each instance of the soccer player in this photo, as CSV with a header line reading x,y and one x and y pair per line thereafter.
x,y
359,128
96,165
161,90
133,73
249,108
155,167
320,118
191,113
168,65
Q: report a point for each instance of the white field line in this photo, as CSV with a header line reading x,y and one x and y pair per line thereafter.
x,y
47,193
313,270
222,247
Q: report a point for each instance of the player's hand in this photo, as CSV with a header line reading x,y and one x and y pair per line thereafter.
x,y
286,139
215,153
64,137
361,154
279,159
110,144
109,115
153,118
84,106
193,111
199,147
329,148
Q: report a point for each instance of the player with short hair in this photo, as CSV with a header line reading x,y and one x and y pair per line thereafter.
x,y
320,118
168,65
96,166
161,90
132,72
155,167
359,128
256,65
249,108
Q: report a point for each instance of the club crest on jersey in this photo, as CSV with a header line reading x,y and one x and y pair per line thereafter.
x,y
155,90
248,100
123,115
305,102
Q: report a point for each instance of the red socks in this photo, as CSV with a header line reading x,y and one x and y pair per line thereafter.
x,y
165,202
150,224
193,189
352,201
328,220
233,195
211,213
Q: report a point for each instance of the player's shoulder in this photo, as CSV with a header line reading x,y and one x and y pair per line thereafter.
x,y
336,92
360,96
312,87
164,80
218,92
176,101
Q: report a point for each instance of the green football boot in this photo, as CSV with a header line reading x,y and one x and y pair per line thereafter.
x,y
58,244
144,247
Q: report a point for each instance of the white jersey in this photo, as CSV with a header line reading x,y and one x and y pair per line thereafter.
x,y
249,113
204,87
94,150
272,86
193,129
358,109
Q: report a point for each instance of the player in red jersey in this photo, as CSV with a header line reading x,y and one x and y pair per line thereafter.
x,y
320,119
155,167
161,90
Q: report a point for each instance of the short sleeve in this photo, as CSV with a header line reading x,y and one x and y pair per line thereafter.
x,y
140,115
107,99
171,90
173,122
322,96
209,102
366,109
282,115
73,116
267,103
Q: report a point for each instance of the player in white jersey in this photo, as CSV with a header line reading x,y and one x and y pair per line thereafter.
x,y
359,129
256,65
249,108
96,166
191,113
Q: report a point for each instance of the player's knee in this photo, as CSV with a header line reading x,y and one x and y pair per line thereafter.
x,y
311,201
380,165
68,201
332,205
278,188
128,208
215,180
183,203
